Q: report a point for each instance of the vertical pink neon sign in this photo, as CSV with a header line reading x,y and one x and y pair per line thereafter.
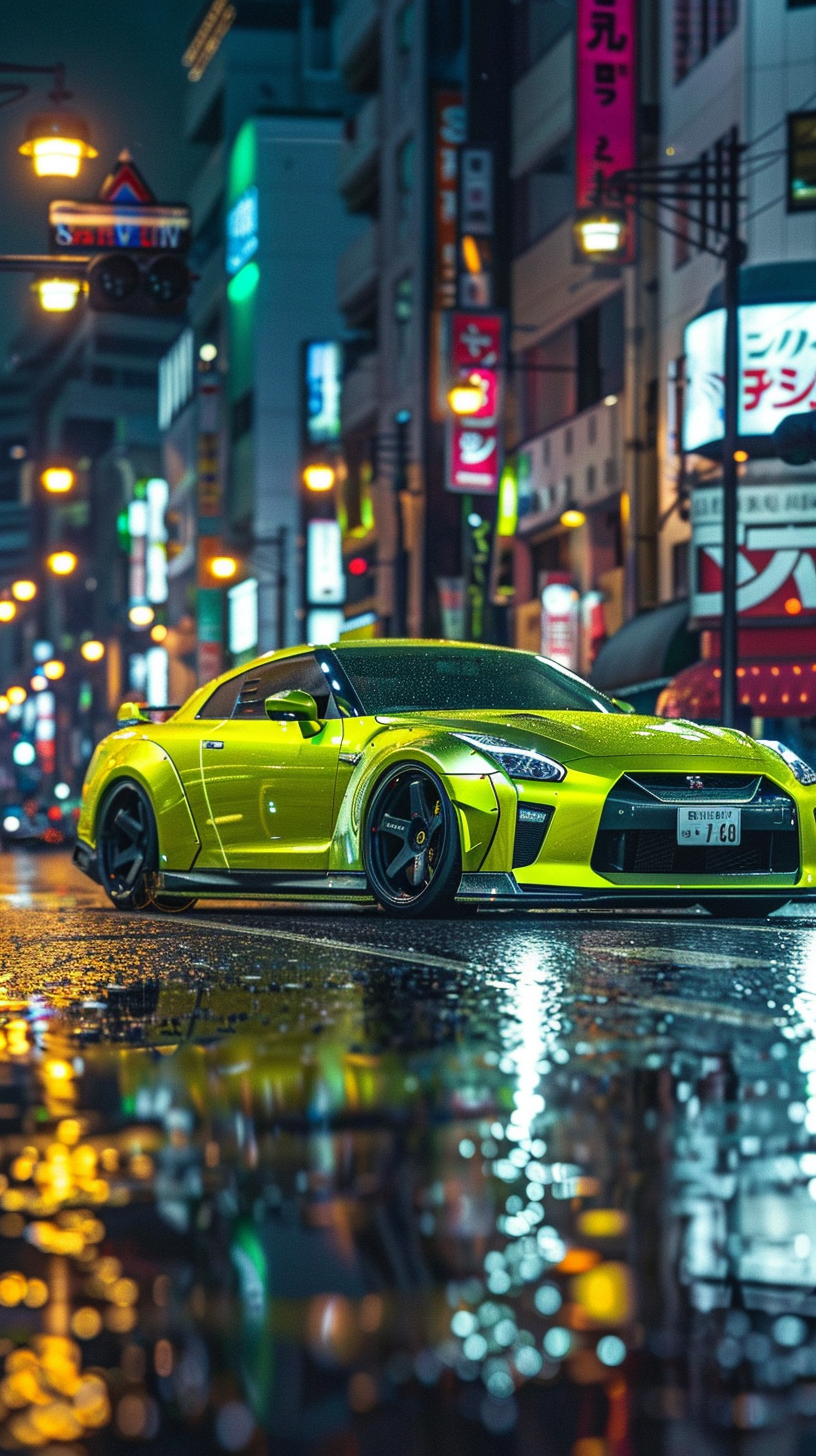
x,y
605,96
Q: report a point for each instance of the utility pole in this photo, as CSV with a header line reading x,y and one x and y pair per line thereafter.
x,y
734,254
402,421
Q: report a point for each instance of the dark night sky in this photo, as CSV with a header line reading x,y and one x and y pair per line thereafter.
x,y
123,64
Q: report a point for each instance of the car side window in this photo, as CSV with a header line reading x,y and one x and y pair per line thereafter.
x,y
300,674
221,703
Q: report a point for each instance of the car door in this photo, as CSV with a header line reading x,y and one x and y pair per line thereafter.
x,y
270,785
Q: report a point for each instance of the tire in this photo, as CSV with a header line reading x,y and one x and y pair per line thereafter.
x,y
411,849
739,909
127,846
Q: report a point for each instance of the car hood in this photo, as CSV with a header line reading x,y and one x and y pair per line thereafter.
x,y
594,735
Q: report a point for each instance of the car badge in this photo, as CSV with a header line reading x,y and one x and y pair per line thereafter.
x,y
694,781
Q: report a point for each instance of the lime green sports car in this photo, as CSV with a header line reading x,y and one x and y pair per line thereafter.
x,y
434,776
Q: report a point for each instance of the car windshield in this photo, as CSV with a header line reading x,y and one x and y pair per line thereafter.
x,y
444,679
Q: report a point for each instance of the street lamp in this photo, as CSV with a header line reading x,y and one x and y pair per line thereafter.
x,y
8,611
93,651
141,615
61,563
674,188
16,695
600,233
58,295
318,477
223,568
58,143
466,398
572,518
58,479
54,669
23,591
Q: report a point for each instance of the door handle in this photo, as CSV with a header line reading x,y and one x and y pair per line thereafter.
x,y
212,743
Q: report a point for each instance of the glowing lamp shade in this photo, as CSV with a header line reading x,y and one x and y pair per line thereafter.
x,y
8,611
158,633
318,477
572,518
16,696
57,479
24,754
57,143
24,591
93,651
61,563
600,234
223,568
141,615
58,295
54,669
465,398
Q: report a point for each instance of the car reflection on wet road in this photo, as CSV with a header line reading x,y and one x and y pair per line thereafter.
x,y
278,1180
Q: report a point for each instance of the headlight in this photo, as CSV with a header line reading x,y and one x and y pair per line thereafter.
x,y
800,770
518,763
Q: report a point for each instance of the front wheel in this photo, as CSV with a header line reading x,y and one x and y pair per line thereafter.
x,y
127,846
739,909
411,845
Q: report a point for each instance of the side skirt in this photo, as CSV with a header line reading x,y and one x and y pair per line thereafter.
x,y
251,884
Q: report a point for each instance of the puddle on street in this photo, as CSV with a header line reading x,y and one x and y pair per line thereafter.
x,y
263,1207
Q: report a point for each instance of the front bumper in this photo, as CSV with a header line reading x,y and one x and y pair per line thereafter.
x,y
504,891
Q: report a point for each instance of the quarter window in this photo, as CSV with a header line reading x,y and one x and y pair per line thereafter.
x,y
294,674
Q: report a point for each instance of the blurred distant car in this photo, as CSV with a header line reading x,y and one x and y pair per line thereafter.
x,y
32,825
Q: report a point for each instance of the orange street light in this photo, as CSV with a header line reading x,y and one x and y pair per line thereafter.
x,y
318,477
223,567
466,398
572,518
24,591
93,651
58,479
58,295
141,615
61,563
158,633
58,143
8,611
16,696
600,234
4,704
54,669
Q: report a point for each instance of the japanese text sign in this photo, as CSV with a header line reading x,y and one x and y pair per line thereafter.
x,y
473,458
449,133
606,95
776,544
777,369
474,453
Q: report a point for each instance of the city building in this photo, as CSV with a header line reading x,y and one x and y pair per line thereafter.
x,y
265,109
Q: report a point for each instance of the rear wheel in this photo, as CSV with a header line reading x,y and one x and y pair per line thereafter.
x,y
127,846
747,909
411,845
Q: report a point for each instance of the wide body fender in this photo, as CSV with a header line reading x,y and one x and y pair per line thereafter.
x,y
150,767
484,801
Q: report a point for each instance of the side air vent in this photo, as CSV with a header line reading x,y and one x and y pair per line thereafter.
x,y
532,823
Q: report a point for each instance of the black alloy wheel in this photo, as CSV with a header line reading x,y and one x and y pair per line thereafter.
x,y
742,909
127,846
128,852
411,845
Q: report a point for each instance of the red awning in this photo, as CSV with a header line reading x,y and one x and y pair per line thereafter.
x,y
782,689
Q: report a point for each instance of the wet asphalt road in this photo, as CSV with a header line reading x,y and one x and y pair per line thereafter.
x,y
316,1182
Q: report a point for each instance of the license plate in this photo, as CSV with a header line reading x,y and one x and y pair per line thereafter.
x,y
709,826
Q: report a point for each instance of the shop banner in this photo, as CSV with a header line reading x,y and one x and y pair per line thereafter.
x,y
776,565
606,97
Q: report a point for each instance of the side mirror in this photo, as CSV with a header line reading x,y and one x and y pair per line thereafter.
x,y
623,705
131,713
295,705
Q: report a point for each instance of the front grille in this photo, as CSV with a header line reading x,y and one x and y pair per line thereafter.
x,y
532,824
638,829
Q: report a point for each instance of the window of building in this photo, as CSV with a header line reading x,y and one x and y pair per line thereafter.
x,y
406,158
699,26
403,311
802,162
537,25
680,569
572,370
543,197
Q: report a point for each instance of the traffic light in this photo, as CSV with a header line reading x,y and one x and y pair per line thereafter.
x,y
119,283
795,439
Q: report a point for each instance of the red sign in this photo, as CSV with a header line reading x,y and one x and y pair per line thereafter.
x,y
606,95
449,133
473,458
776,555
476,340
474,447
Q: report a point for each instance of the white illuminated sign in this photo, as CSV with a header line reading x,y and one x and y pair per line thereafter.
x,y
323,389
324,625
243,616
242,230
158,493
156,675
176,379
326,583
777,370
